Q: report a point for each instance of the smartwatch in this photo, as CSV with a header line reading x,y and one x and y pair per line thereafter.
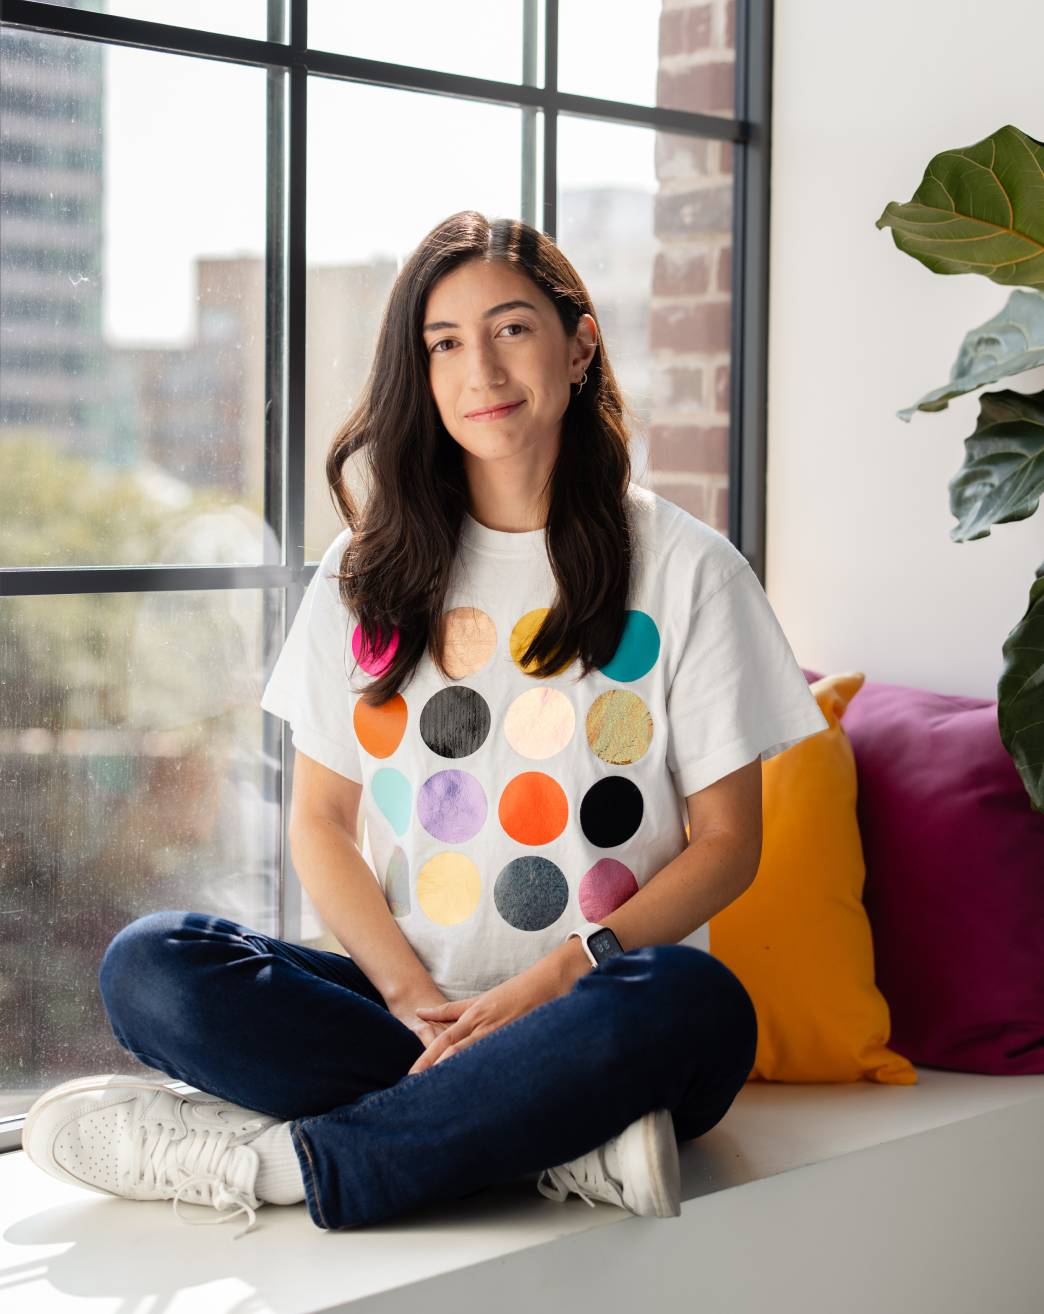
x,y
599,941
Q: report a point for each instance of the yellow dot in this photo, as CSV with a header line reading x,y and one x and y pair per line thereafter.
x,y
448,888
522,635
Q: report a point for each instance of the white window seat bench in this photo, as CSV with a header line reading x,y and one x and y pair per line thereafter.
x,y
846,1199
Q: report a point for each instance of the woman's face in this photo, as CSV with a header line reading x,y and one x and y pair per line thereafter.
x,y
518,354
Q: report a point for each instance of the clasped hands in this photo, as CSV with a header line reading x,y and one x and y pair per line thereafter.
x,y
471,1019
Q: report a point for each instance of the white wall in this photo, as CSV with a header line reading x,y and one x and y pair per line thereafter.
x,y
861,569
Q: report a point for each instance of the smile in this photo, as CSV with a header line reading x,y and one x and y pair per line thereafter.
x,y
497,413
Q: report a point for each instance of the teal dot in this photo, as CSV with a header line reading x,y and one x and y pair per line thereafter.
x,y
391,793
637,651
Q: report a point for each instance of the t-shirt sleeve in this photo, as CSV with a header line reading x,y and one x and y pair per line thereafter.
x,y
310,683
737,690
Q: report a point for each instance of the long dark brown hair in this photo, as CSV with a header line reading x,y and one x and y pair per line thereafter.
x,y
396,567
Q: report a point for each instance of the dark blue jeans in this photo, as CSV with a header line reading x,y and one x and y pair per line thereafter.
x,y
303,1035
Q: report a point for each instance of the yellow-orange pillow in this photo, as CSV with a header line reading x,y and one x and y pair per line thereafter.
x,y
799,938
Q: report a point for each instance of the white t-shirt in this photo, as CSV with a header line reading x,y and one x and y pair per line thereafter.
x,y
502,810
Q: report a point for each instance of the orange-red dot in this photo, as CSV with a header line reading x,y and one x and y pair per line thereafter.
x,y
533,808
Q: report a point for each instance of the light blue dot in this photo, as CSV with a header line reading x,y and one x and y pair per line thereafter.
x,y
392,794
637,651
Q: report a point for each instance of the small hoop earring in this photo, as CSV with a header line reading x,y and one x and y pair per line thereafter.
x,y
582,382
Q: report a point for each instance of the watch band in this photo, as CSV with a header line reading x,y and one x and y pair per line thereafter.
x,y
584,933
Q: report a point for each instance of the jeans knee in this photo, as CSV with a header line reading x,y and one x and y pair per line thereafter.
x,y
698,996
127,971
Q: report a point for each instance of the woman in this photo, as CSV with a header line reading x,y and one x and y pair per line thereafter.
x,y
529,672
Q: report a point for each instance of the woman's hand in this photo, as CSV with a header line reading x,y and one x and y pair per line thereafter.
x,y
407,1011
466,1020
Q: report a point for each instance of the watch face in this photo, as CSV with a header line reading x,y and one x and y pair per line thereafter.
x,y
604,944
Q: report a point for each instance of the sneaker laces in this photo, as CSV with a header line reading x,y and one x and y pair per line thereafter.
x,y
199,1159
589,1170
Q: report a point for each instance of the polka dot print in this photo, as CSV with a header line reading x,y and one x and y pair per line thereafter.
x,y
637,651
371,656
451,806
455,722
619,727
448,888
522,636
380,729
468,639
531,893
391,792
611,811
539,723
604,887
397,883
532,808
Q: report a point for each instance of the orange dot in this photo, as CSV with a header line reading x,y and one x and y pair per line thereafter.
x,y
380,729
533,808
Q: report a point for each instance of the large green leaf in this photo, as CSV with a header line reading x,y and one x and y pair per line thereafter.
x,y
1020,695
978,210
1009,343
1002,477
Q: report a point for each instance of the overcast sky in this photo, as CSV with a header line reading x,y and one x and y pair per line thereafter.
x,y
184,150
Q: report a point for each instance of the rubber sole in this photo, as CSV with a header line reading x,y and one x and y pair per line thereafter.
x,y
650,1154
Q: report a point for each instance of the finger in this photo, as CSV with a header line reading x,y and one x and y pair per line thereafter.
x,y
476,1034
430,1054
453,1035
451,1010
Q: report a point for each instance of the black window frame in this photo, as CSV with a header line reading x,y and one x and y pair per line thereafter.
x,y
285,271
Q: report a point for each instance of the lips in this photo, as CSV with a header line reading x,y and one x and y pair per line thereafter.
x,y
495,413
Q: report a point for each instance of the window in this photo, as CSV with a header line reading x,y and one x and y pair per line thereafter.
x,y
200,224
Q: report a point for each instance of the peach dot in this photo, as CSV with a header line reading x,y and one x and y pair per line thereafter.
x,y
539,722
468,639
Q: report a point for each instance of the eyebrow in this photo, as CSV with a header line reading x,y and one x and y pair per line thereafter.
x,y
486,314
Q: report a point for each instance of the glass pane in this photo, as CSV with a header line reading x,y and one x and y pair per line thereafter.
x,y
247,18
132,371
680,56
136,775
473,37
646,218
411,149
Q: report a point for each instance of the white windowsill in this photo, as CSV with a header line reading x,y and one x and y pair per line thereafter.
x,y
64,1249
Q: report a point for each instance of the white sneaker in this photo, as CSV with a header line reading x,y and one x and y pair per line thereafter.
x,y
638,1170
137,1138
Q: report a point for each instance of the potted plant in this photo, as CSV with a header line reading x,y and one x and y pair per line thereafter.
x,y
980,210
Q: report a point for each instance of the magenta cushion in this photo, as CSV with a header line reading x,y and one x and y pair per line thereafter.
x,y
954,879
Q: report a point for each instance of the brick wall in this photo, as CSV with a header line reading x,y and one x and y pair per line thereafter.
x,y
691,312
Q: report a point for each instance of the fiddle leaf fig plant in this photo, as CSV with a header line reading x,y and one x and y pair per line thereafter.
x,y
1007,344
980,210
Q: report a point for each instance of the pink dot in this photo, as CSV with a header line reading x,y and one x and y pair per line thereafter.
x,y
605,887
372,661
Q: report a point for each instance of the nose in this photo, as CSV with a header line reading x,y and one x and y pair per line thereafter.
x,y
483,369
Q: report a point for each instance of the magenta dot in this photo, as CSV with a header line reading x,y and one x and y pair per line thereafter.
x,y
605,887
372,661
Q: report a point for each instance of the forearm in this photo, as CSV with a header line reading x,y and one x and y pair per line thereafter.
x,y
350,901
708,875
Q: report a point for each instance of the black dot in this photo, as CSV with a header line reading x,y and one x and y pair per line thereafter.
x,y
455,721
611,811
